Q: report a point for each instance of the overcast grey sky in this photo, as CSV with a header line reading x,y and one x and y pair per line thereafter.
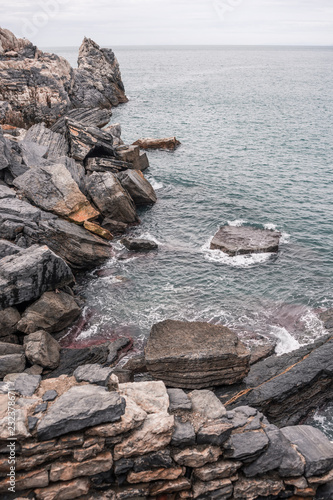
x,y
159,22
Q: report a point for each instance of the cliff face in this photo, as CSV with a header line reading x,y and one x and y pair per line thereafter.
x,y
36,86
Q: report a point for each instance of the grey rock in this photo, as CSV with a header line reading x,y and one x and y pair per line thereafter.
x,y
179,400
115,346
110,197
76,170
246,446
11,363
215,433
115,227
314,446
243,240
16,216
56,144
205,403
42,349
27,384
6,348
5,156
108,164
53,312
325,492
94,374
123,466
86,141
50,395
25,276
32,422
139,244
140,190
78,408
89,117
183,434
40,408
8,321
34,370
8,248
156,460
33,154
6,192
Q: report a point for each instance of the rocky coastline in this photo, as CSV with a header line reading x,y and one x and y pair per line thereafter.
x,y
198,415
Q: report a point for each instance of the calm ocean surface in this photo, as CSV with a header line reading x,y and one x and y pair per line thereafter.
x,y
255,125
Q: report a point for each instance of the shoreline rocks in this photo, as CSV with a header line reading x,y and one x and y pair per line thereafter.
x,y
245,240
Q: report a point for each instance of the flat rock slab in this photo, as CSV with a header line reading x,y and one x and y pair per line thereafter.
x,y
94,374
244,240
195,355
139,244
314,446
80,407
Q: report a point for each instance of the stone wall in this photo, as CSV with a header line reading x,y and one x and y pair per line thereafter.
x,y
87,436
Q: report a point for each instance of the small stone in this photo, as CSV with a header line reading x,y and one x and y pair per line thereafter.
x,y
27,384
165,487
97,229
94,374
49,395
27,480
152,397
11,363
159,459
155,475
34,370
113,383
84,454
197,456
42,349
207,404
64,490
248,489
6,348
179,400
216,433
223,486
65,471
123,466
218,470
8,321
32,422
183,434
40,408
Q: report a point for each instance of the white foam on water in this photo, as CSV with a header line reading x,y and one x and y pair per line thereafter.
x,y
314,327
285,238
155,184
236,261
149,236
236,223
270,226
286,342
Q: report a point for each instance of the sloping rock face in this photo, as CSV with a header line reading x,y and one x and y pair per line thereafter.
x,y
55,144
28,274
95,117
195,355
244,240
138,187
97,80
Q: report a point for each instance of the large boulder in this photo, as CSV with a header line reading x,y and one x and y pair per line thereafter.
x,y
97,80
52,188
195,355
244,240
111,198
140,190
52,313
165,143
25,276
42,349
86,141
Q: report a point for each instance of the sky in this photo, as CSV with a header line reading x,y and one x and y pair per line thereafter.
x,y
57,23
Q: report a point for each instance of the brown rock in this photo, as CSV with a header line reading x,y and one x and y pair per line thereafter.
x,y
25,481
305,492
224,486
81,455
155,475
261,352
248,489
155,434
298,482
65,471
195,355
244,240
180,484
42,349
29,463
8,320
165,143
132,156
53,312
64,491
115,227
140,190
327,478
219,470
197,456
97,229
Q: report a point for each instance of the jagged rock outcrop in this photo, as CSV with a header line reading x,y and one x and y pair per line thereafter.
x,y
235,240
97,80
195,355
86,141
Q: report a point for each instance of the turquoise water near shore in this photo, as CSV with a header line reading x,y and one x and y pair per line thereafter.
x,y
255,127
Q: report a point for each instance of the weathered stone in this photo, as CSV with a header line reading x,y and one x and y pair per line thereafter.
x,y
279,455
26,384
94,117
80,407
94,374
26,481
133,157
34,370
314,446
223,486
248,489
326,478
11,363
154,435
83,454
165,487
8,248
50,395
206,404
197,456
8,321
216,432
195,355
241,240
179,400
53,312
139,244
42,349
140,190
156,460
52,188
56,144
155,475
65,471
135,492
110,197
165,143
246,446
108,164
6,432
152,397
64,490
218,470
25,276
183,434
5,156
6,192
98,230
86,141
6,348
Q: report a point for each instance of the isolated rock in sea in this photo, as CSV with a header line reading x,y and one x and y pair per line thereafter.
x,y
165,143
80,407
53,312
86,141
244,240
27,275
97,80
139,244
195,355
52,188
94,117
111,198
141,191
42,349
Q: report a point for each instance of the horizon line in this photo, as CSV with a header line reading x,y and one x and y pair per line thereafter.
x,y
198,45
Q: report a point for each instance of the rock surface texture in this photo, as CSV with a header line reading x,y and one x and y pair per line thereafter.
x,y
244,240
195,355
